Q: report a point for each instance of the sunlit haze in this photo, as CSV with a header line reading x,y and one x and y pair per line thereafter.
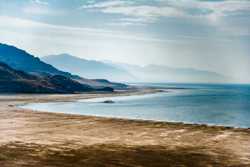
x,y
209,35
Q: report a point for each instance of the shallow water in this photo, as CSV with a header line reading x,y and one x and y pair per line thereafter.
x,y
227,105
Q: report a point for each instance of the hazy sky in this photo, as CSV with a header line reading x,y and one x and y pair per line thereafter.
x,y
204,34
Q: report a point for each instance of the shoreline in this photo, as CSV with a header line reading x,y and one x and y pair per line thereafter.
x,y
32,138
140,120
124,94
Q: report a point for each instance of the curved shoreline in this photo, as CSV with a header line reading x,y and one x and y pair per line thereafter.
x,y
141,92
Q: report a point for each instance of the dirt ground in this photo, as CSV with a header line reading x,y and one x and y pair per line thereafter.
x,y
40,139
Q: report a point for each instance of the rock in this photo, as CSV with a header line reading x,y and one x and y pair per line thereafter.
x,y
108,101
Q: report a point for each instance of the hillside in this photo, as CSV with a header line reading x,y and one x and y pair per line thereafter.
x,y
21,60
14,81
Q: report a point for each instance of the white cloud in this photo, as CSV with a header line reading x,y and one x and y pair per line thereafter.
x,y
210,10
105,4
144,11
131,21
37,7
129,8
40,2
37,10
37,27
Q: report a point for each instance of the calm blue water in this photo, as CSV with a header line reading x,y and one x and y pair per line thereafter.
x,y
227,105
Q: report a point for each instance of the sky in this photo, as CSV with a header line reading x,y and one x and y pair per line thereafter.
x,y
203,34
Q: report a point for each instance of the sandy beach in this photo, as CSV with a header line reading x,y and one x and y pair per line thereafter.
x,y
39,139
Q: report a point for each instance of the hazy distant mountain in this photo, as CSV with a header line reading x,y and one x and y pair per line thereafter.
x,y
14,81
88,68
158,73
131,73
21,60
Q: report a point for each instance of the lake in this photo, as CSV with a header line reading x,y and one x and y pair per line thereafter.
x,y
211,104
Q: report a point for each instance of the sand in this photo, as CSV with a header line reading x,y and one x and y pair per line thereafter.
x,y
39,139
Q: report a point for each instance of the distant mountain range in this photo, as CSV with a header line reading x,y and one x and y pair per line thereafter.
x,y
159,73
20,60
132,73
88,68
21,72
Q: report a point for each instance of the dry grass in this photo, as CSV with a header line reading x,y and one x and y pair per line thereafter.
x,y
33,155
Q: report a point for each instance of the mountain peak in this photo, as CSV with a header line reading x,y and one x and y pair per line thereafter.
x,y
21,60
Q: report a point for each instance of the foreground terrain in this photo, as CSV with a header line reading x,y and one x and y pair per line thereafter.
x,y
29,138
